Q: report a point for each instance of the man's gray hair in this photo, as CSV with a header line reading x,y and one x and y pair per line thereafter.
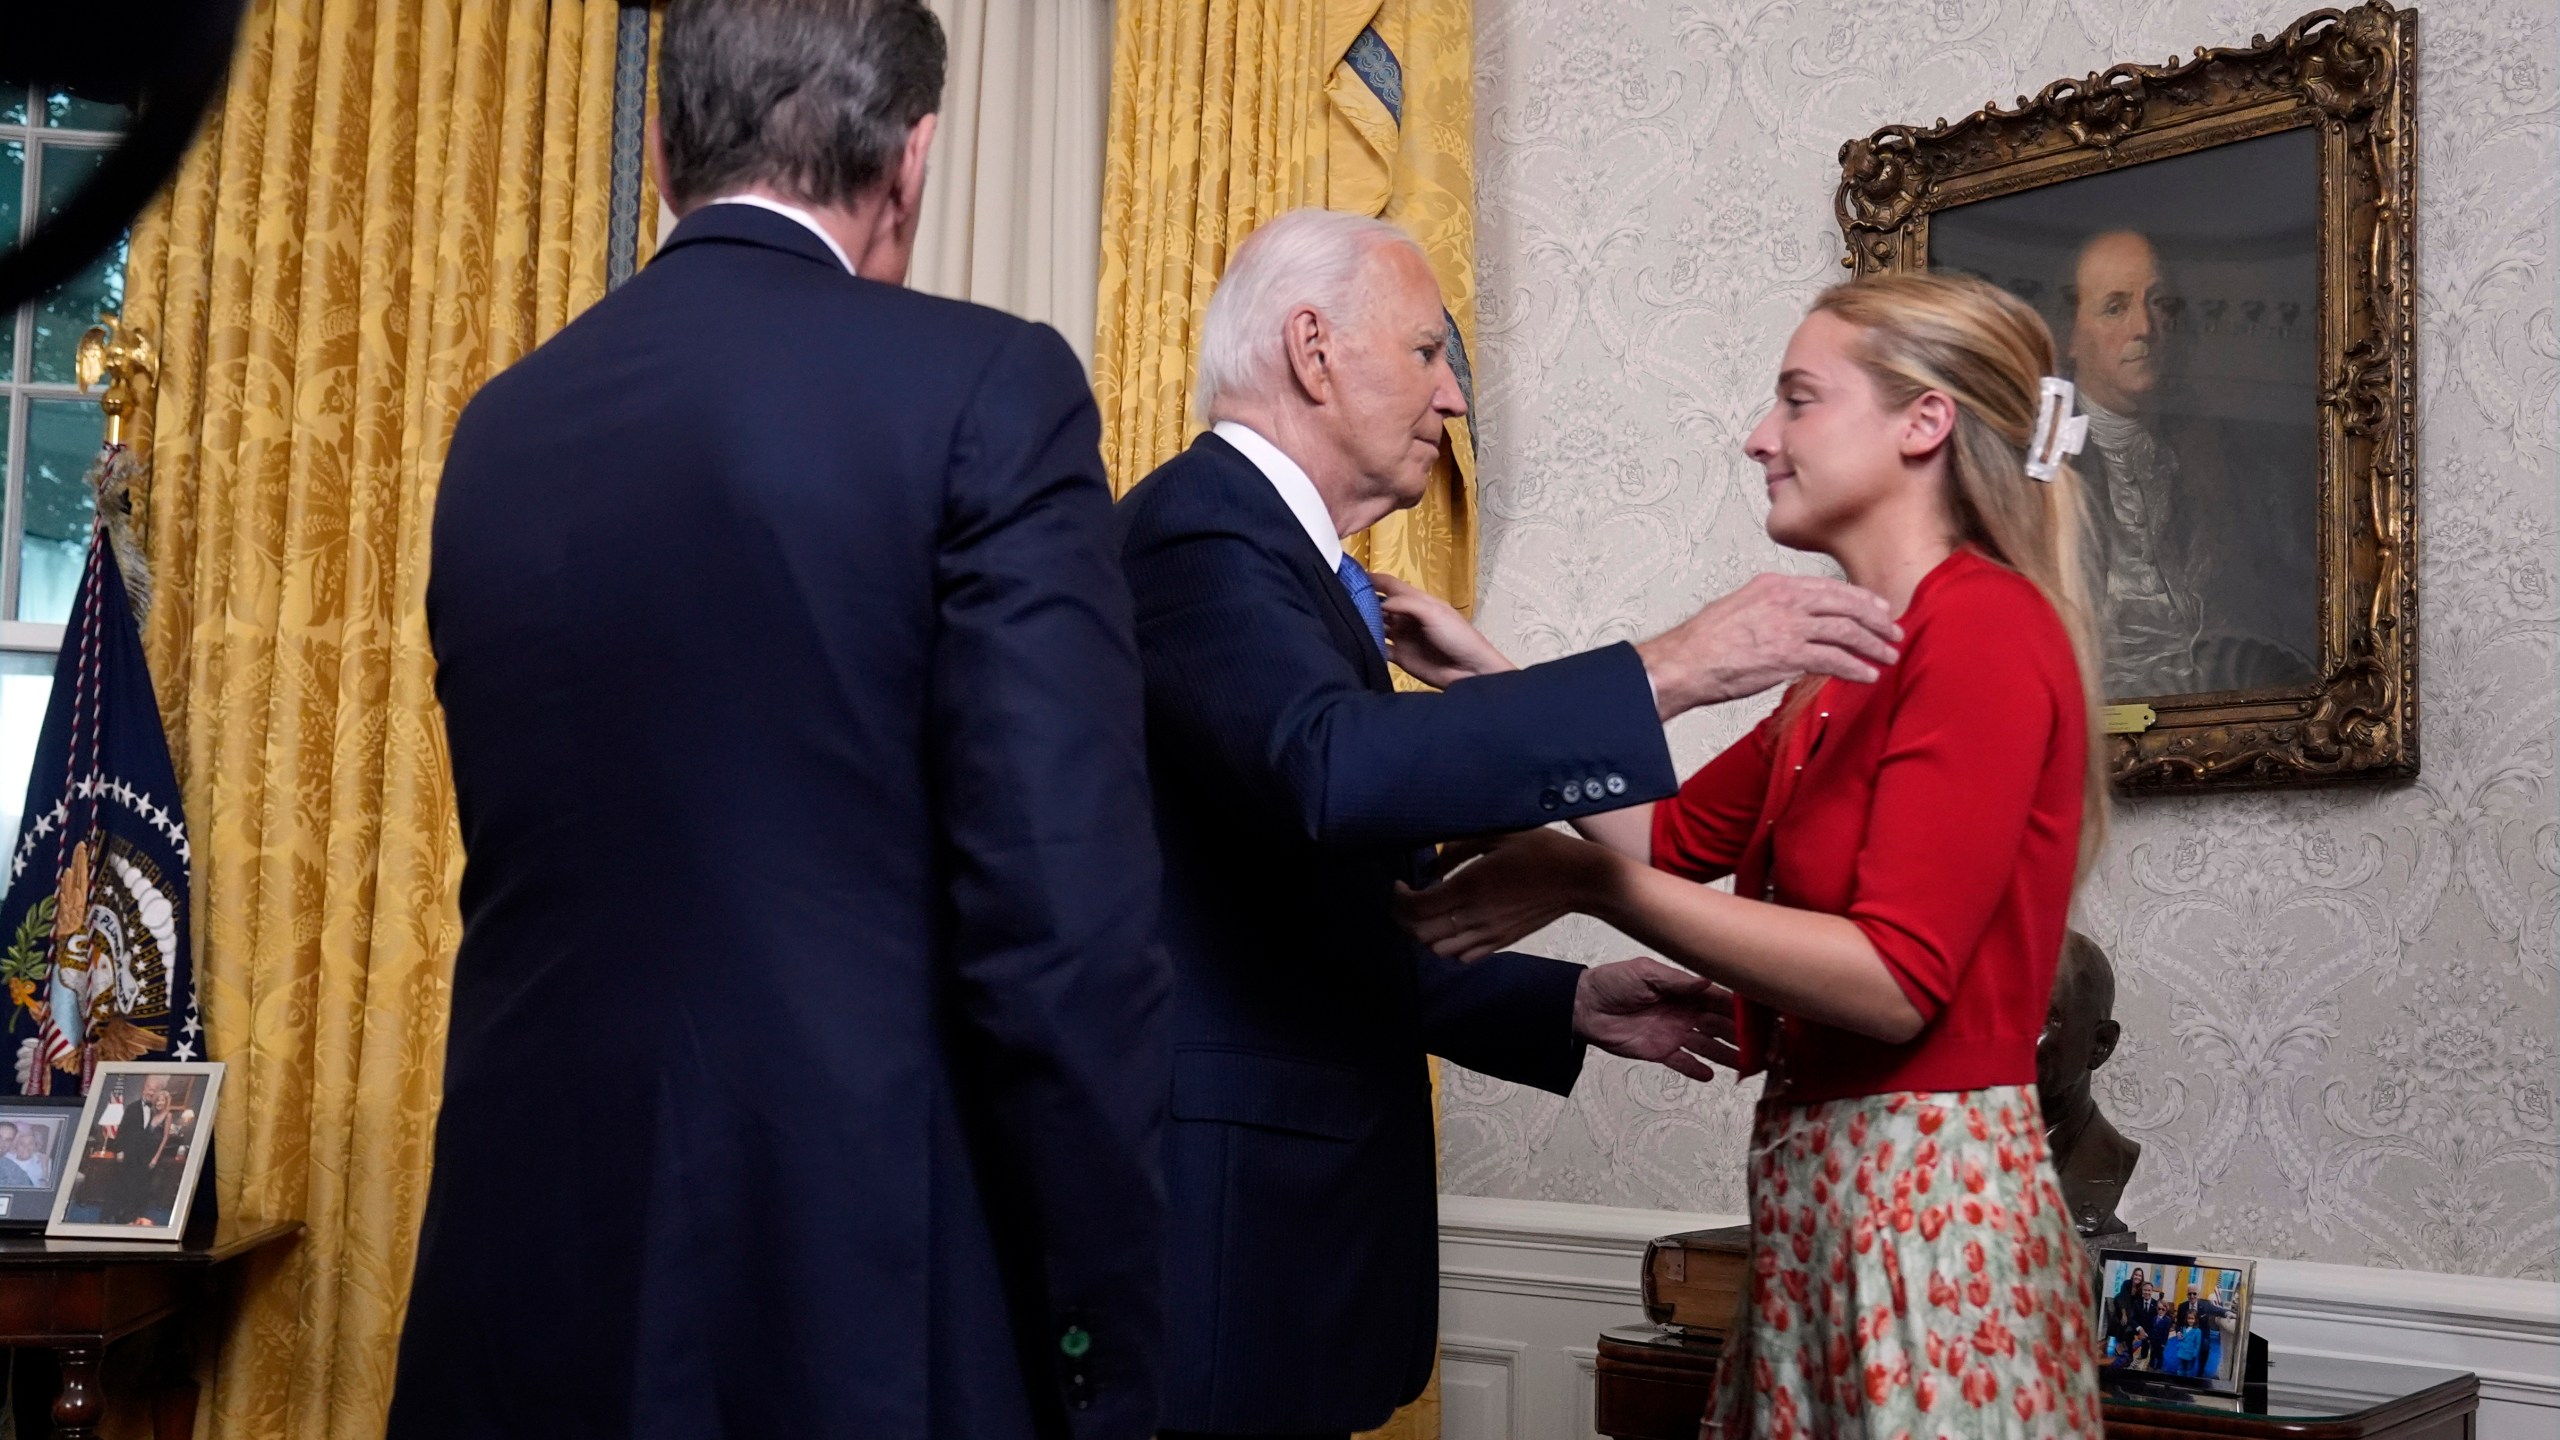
x,y
810,98
1309,257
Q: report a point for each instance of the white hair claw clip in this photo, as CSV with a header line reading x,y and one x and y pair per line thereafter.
x,y
2058,432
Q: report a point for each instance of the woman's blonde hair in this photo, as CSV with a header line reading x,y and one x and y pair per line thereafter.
x,y
1986,350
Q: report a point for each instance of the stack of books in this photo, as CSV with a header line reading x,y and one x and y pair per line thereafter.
x,y
1695,1282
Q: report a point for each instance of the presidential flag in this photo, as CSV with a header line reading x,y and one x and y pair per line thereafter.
x,y
96,916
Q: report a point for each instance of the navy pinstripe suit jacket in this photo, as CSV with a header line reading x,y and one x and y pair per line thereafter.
x,y
1293,786
807,1055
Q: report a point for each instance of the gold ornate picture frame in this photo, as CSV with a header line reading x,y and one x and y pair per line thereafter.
x,y
2266,441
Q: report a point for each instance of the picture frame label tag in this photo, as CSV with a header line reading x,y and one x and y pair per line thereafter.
x,y
2126,719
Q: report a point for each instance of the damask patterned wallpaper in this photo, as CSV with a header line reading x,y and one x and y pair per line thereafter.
x,y
2339,1006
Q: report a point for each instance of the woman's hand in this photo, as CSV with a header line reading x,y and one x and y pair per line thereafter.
x,y
1429,640
1505,888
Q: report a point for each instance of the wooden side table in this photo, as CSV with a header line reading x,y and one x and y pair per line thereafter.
x,y
1653,1384
74,1298
2316,1398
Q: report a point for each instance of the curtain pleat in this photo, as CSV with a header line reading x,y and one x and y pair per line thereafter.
x,y
395,199
1012,213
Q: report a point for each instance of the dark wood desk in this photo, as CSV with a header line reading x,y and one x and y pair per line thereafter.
x,y
73,1298
1652,1385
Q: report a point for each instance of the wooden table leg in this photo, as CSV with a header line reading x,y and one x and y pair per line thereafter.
x,y
173,1407
76,1404
177,1412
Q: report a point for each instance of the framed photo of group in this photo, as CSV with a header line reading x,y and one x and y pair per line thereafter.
x,y
139,1149
2177,1322
2222,249
35,1145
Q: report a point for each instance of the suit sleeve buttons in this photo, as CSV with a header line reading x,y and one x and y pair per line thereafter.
x,y
1616,784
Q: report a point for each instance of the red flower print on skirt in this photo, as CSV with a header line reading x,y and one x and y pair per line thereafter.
x,y
1932,1287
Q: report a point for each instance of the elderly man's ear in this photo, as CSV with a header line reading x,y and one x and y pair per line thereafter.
x,y
1306,339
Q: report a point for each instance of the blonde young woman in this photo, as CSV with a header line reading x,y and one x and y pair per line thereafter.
x,y
1904,855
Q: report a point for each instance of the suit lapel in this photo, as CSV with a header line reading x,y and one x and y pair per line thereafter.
x,y
1277,526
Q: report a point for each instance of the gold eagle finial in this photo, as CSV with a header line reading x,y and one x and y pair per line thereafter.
x,y
122,357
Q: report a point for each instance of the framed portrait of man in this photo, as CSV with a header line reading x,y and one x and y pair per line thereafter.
x,y
138,1151
2221,250
2183,296
35,1144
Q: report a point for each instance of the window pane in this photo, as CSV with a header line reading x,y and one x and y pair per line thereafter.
x,y
62,442
13,180
62,315
13,183
13,105
26,682
67,111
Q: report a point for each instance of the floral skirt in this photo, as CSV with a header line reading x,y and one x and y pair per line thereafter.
x,y
1914,1274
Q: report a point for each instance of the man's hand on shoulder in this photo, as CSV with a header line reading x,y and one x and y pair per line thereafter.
x,y
1646,1010
1773,629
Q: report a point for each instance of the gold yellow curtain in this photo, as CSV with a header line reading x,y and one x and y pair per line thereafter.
x,y
395,199
1227,113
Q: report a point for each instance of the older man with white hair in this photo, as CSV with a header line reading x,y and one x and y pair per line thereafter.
x,y
1295,788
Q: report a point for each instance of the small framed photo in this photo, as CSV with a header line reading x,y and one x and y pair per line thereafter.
x,y
35,1148
140,1149
2176,1321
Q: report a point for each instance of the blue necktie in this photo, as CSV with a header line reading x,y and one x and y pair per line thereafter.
x,y
1364,598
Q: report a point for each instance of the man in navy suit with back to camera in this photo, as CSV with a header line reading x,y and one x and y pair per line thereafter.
x,y
1293,788
796,726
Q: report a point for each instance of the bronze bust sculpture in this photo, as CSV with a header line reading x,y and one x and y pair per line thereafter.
x,y
2091,1157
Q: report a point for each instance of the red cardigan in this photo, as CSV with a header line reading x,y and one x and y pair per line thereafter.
x,y
1939,810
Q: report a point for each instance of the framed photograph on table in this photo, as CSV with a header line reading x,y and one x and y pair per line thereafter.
x,y
2177,1322
35,1148
2222,249
139,1150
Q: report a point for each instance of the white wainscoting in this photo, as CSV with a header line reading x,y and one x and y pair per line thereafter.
x,y
1526,1287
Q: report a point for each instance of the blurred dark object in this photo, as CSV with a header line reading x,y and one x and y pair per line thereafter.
x,y
166,59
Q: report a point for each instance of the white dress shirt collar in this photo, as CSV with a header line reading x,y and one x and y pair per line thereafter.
x,y
793,212
1296,490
